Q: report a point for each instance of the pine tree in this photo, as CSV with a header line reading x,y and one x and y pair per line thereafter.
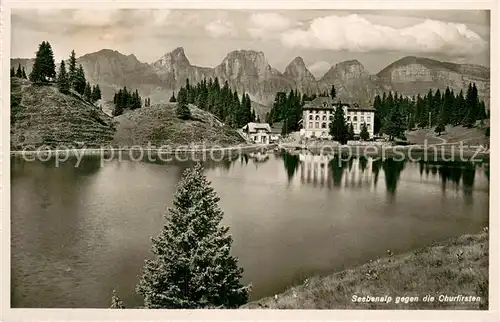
x,y
96,93
338,127
116,303
377,105
182,110
87,93
192,265
364,134
62,79
472,106
24,74
394,124
12,72
172,98
72,75
333,94
19,72
439,128
350,132
80,82
44,68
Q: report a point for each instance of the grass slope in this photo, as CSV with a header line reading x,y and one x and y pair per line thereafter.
x,y
41,115
159,126
456,267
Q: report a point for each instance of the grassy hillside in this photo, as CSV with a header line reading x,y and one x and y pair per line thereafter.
x,y
41,115
455,267
159,126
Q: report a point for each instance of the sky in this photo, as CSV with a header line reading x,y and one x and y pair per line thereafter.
x,y
321,37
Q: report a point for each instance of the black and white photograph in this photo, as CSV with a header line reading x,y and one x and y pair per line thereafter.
x,y
249,158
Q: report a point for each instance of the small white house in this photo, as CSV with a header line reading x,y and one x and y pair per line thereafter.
x,y
257,132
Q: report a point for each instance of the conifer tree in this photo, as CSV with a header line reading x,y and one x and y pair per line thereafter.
x,y
364,134
192,266
333,94
350,132
472,106
62,79
44,67
182,110
80,82
87,94
338,127
394,125
12,72
72,75
172,98
24,74
96,93
19,72
439,128
116,303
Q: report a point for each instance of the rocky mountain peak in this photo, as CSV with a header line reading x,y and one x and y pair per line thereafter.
x,y
172,60
298,71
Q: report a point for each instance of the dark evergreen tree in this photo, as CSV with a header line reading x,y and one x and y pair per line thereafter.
x,y
96,93
87,93
12,72
72,71
19,72
377,105
44,67
472,106
62,79
439,128
192,265
394,124
350,132
116,303
172,98
24,74
182,110
338,127
333,94
364,134
80,82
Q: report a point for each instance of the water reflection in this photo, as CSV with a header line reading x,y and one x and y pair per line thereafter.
x,y
339,171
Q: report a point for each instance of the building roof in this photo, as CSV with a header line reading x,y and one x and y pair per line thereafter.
x,y
253,127
325,102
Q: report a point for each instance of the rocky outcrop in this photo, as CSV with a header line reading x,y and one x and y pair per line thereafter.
x,y
302,78
352,82
415,75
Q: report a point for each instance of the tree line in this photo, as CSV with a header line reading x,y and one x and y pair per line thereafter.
x,y
44,73
126,99
395,113
20,72
221,101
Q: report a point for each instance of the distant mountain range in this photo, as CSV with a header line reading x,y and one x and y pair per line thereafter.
x,y
248,71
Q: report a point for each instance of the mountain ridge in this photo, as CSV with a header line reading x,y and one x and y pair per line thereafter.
x,y
248,71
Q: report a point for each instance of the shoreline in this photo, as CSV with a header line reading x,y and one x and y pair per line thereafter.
x,y
435,153
451,274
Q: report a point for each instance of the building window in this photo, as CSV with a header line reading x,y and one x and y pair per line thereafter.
x,y
323,126
355,118
368,127
317,117
310,125
362,118
324,117
317,124
368,118
310,116
331,117
348,118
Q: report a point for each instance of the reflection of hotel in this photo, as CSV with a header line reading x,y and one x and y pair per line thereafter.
x,y
317,169
318,113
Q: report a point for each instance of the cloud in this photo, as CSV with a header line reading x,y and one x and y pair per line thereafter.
x,y
220,28
268,25
356,34
319,68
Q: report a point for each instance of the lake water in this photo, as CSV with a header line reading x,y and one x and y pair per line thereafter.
x,y
78,233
